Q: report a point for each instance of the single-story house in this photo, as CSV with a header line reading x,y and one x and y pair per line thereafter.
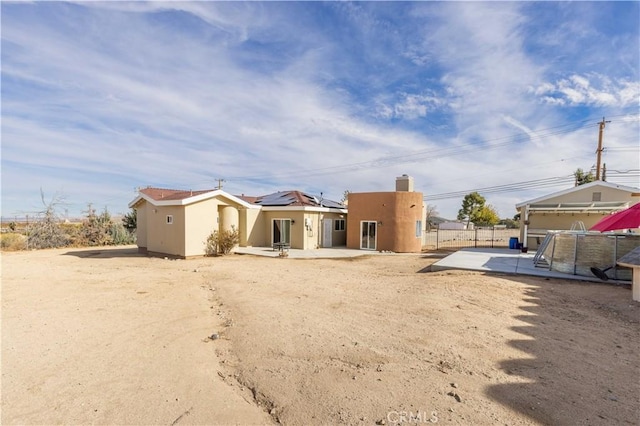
x,y
387,221
177,222
457,225
571,208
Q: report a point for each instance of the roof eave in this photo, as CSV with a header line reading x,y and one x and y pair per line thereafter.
x,y
577,188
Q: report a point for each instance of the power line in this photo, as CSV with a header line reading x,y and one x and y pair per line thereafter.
x,y
430,153
632,175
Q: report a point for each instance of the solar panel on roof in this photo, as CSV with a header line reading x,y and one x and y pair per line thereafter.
x,y
276,199
291,197
333,204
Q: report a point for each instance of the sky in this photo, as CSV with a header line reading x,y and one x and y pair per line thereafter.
x,y
503,98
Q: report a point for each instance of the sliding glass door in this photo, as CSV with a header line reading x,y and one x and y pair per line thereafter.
x,y
281,231
368,231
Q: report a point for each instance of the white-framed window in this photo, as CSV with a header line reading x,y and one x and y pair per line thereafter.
x,y
169,219
338,225
596,196
418,228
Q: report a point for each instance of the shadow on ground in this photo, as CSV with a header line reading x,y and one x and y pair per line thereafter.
x,y
106,253
569,373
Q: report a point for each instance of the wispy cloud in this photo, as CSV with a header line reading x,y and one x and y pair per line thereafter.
x,y
595,89
98,98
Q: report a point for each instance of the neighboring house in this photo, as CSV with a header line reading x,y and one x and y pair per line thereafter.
x,y
569,209
387,221
455,225
177,222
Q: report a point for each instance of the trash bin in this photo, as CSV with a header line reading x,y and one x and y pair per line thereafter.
x,y
513,242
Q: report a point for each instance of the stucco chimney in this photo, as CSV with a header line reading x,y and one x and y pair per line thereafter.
x,y
404,183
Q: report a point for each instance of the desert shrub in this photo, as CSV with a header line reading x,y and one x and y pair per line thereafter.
x,y
13,242
96,228
46,231
222,242
72,231
120,235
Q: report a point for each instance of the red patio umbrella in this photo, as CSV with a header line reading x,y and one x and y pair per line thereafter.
x,y
624,219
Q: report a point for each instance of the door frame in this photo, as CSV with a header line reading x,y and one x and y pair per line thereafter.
x,y
273,224
362,228
327,225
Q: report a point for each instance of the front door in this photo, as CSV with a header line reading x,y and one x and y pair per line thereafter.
x,y
327,229
368,232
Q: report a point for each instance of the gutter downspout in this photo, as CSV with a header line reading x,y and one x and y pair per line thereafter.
x,y
526,227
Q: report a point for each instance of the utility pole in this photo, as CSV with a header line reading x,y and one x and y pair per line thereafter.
x,y
600,149
220,183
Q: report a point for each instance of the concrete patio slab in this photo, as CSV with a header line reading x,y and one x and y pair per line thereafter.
x,y
506,261
322,253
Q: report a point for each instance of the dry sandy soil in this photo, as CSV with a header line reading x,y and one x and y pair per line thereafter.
x,y
107,336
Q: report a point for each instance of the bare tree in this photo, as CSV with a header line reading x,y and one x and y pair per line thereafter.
x,y
432,212
46,231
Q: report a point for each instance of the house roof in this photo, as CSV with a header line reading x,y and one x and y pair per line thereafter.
x,y
289,199
178,197
296,199
162,194
589,185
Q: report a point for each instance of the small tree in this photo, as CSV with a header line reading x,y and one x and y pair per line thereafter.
x,y
345,196
130,220
582,177
487,216
432,212
472,205
222,242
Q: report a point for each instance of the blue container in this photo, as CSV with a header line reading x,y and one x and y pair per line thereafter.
x,y
513,242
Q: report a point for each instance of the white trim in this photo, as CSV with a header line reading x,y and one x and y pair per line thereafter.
x,y
376,237
578,188
303,209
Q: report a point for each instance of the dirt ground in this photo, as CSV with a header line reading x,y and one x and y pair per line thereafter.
x,y
106,336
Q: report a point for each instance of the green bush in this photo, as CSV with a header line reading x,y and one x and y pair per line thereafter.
x,y
222,242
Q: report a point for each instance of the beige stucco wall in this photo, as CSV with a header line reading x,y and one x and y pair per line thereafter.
x,y
252,227
201,219
163,238
192,224
229,217
396,214
586,196
301,238
142,210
